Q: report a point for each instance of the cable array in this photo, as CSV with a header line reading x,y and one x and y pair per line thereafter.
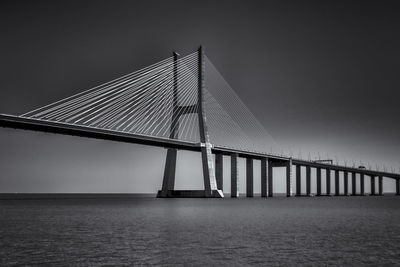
x,y
231,124
141,102
161,100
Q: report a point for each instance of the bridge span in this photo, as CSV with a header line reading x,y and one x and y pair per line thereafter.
x,y
268,162
174,105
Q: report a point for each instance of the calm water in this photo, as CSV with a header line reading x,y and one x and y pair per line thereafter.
x,y
144,231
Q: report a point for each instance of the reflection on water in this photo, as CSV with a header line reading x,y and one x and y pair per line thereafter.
x,y
279,231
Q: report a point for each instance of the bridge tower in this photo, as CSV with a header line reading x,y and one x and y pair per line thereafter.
x,y
210,183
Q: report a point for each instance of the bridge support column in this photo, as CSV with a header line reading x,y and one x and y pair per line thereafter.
x,y
210,183
270,179
353,184
298,180
249,177
308,181
234,176
264,163
346,183
337,184
318,181
169,173
289,178
219,171
328,182
380,185
170,162
372,185
362,184
398,187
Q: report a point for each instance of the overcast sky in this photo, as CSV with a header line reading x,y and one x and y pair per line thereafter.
x,y
321,76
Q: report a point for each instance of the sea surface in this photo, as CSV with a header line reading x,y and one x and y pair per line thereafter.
x,y
325,231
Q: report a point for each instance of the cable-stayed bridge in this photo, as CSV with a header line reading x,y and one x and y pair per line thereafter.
x,y
184,103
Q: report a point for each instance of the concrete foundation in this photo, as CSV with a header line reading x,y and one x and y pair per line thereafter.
x,y
189,194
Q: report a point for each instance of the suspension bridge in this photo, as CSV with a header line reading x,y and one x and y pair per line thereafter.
x,y
184,103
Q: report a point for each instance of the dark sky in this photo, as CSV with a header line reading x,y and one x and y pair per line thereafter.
x,y
321,76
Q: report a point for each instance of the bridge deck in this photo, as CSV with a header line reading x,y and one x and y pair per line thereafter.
x,y
17,122
344,168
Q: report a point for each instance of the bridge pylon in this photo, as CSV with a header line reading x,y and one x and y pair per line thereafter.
x,y
210,182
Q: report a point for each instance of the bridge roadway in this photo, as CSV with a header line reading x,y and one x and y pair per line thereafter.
x,y
268,161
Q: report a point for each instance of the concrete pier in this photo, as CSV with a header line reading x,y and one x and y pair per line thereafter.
x,y
234,176
288,178
270,178
362,192
353,184
380,185
318,181
308,181
337,184
346,182
264,166
219,171
170,162
298,180
328,182
169,173
372,185
249,177
398,187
